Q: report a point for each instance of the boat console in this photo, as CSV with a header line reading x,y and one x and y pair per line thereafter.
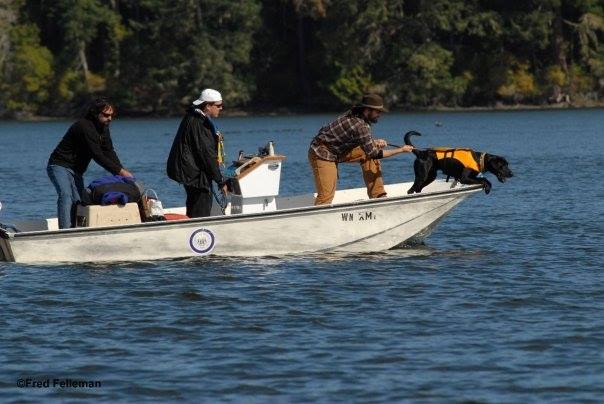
x,y
254,181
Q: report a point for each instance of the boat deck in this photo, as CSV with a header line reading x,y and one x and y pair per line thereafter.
x,y
284,202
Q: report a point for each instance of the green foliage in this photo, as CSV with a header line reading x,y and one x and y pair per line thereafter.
x,y
580,81
154,56
351,85
555,76
587,30
175,49
70,83
519,84
27,71
596,64
428,78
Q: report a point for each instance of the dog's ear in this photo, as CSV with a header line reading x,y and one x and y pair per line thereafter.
x,y
501,162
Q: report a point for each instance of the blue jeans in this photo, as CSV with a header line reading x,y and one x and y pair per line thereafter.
x,y
69,186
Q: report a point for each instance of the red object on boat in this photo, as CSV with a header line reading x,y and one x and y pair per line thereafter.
x,y
175,216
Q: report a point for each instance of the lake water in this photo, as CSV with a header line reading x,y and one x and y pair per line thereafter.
x,y
504,302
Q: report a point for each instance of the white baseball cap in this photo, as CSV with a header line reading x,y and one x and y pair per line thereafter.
x,y
208,95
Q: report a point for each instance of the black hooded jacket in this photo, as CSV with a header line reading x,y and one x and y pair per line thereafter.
x,y
193,159
86,140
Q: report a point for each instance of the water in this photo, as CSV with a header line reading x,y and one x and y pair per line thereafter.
x,y
504,303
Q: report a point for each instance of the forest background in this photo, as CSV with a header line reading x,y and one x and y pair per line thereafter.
x,y
152,57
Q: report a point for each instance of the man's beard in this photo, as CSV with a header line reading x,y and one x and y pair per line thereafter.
x,y
372,119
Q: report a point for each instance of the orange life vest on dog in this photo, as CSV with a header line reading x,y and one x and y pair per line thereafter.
x,y
464,156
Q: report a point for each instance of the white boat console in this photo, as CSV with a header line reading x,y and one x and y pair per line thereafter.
x,y
255,184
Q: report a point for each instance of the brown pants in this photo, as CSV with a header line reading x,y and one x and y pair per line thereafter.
x,y
326,175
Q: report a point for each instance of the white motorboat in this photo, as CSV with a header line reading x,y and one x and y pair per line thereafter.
x,y
256,222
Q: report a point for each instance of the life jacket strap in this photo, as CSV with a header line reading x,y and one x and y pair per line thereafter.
x,y
481,163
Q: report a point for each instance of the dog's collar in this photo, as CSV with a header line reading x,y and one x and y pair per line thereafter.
x,y
481,162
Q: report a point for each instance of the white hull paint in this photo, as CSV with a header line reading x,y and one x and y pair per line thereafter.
x,y
352,224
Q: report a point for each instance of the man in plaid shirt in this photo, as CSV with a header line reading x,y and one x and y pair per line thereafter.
x,y
348,140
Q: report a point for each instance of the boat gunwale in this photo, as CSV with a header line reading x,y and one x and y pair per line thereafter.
x,y
238,217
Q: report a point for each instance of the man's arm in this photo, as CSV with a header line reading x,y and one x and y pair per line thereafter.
x,y
109,162
380,144
398,150
370,146
112,155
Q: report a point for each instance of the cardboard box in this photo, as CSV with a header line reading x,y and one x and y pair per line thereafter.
x,y
109,215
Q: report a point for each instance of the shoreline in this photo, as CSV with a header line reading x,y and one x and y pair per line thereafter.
x,y
243,112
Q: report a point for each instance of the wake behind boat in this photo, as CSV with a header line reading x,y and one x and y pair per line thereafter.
x,y
256,222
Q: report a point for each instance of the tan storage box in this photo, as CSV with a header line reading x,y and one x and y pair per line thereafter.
x,y
110,215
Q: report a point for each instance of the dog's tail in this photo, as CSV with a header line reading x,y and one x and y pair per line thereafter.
x,y
408,140
408,136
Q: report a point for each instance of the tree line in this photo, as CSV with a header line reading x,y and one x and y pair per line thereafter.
x,y
153,56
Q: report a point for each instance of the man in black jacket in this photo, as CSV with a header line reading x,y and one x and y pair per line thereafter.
x,y
87,139
194,157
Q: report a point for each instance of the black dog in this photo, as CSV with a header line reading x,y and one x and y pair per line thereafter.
x,y
462,164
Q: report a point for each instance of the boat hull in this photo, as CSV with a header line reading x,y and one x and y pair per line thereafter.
x,y
356,226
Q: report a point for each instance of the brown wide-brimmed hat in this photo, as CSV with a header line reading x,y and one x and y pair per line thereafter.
x,y
373,101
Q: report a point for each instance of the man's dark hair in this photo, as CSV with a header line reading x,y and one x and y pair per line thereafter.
x,y
357,110
97,106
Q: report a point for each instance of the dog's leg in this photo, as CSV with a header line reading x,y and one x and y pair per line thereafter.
x,y
425,173
486,185
431,177
469,177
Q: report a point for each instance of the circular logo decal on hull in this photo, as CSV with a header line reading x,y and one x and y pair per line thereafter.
x,y
202,241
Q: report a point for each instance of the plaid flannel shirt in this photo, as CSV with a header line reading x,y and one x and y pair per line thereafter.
x,y
336,139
